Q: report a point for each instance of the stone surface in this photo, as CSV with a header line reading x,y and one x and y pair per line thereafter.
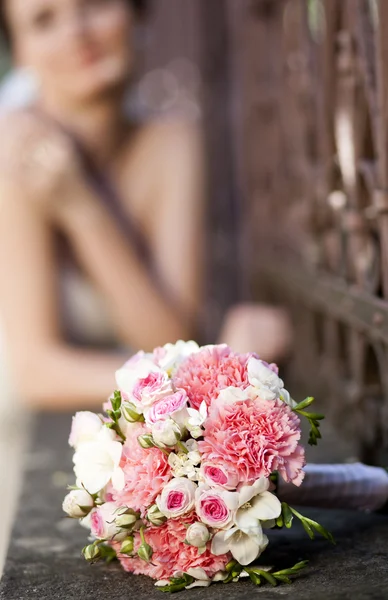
x,y
44,560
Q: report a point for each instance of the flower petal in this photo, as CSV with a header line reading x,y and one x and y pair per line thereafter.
x,y
247,492
244,548
198,583
219,544
118,480
246,519
198,573
266,506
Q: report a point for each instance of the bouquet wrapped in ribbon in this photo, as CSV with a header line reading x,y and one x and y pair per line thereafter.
x,y
178,477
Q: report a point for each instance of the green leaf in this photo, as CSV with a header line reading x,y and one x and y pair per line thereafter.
x,y
116,400
307,529
177,584
270,578
292,570
255,578
304,404
311,416
107,553
309,526
287,515
111,415
279,521
282,578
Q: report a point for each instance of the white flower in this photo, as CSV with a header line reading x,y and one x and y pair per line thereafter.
x,y
177,497
265,381
285,396
177,353
84,428
97,462
77,504
185,465
196,420
244,547
197,535
246,540
200,576
256,504
202,579
231,394
166,433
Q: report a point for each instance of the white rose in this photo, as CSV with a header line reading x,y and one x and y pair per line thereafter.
x,y
85,428
197,535
166,433
97,462
177,497
76,502
265,381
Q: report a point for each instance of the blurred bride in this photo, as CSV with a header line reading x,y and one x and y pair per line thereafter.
x,y
101,217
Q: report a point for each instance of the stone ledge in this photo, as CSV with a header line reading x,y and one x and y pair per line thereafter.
x,y
44,561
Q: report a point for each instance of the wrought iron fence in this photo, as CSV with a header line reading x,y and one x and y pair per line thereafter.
x,y
316,142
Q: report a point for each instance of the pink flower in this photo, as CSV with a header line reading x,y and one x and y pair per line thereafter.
x,y
167,407
204,374
177,497
219,475
151,388
215,507
102,522
254,438
146,472
170,553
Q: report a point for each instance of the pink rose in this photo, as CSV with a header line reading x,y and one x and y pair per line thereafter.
x,y
220,476
167,407
177,497
214,507
151,388
102,522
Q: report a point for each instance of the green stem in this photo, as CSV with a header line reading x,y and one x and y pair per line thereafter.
x,y
142,535
182,447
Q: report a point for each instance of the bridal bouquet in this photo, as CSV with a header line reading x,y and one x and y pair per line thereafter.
x,y
178,477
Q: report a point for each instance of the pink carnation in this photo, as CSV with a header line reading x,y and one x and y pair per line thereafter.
x,y
204,374
171,554
151,388
146,472
254,438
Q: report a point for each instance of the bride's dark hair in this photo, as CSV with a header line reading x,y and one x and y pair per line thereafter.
x,y
138,5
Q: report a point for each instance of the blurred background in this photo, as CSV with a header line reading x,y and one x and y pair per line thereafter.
x,y
290,97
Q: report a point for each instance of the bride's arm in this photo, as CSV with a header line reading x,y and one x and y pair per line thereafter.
x,y
46,371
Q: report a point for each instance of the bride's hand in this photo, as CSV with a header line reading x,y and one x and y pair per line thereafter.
x,y
40,159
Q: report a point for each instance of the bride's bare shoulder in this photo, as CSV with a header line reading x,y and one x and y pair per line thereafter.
x,y
159,141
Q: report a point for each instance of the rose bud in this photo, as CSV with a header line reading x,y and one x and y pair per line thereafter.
x,y
127,546
155,516
197,535
91,552
145,552
126,521
130,413
166,433
77,504
146,441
